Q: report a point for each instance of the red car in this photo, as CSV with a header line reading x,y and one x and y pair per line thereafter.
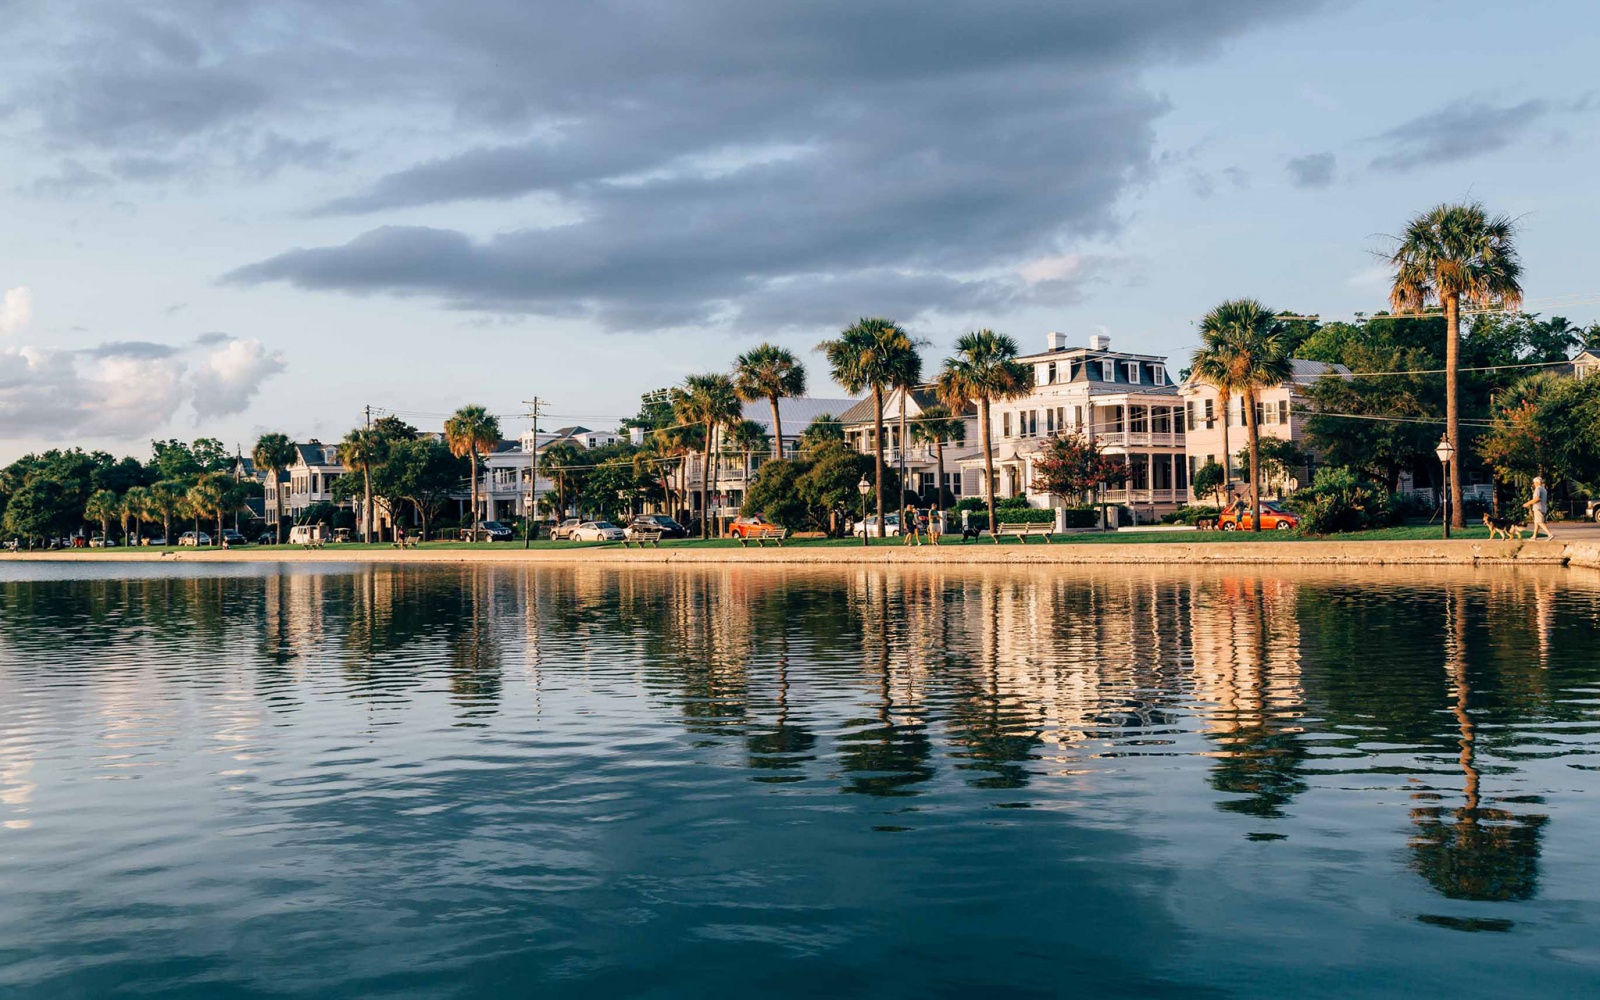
x,y
1237,517
751,527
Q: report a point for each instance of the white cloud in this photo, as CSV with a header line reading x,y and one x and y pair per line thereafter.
x,y
126,390
16,310
1065,266
228,379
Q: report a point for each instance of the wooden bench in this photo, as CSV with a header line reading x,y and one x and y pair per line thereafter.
x,y
771,533
639,538
1022,529
408,542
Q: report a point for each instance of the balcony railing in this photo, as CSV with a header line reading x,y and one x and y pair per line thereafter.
x,y
1145,496
1138,439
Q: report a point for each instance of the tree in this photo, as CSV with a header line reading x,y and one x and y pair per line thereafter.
x,y
1451,254
1070,466
213,494
825,427
1242,351
832,481
135,506
769,373
558,463
938,426
775,493
364,448
984,369
273,454
874,354
423,471
34,510
675,444
711,402
471,431
103,506
166,500
1276,456
1210,481
1545,424
747,436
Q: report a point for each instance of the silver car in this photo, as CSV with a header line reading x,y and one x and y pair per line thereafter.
x,y
598,531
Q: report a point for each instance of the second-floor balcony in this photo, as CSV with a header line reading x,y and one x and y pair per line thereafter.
x,y
1140,439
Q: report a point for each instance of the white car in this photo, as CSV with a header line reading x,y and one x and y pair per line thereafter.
x,y
597,531
891,526
188,538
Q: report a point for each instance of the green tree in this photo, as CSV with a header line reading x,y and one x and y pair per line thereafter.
x,y
1450,255
166,502
472,431
35,509
874,354
711,402
422,471
747,436
832,481
560,463
1545,424
939,427
984,369
273,454
213,495
1210,481
775,493
824,428
769,373
104,506
136,504
364,448
1277,457
1242,351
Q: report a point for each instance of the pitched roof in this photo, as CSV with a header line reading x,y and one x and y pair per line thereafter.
x,y
796,412
317,453
1305,371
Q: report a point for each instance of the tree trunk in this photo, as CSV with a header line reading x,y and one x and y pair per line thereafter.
x,y
472,457
277,504
877,452
777,430
366,504
1254,434
1452,359
900,501
938,486
705,486
166,527
988,461
1227,456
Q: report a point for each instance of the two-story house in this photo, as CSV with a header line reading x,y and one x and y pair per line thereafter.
x,y
1281,412
308,480
919,458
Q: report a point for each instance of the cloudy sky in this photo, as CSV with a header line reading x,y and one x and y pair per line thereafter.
x,y
224,217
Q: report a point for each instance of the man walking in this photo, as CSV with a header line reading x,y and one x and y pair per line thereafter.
x,y
1539,505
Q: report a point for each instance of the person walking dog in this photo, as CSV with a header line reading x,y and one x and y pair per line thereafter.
x,y
1539,505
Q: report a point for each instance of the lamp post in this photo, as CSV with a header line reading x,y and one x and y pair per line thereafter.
x,y
864,487
1446,452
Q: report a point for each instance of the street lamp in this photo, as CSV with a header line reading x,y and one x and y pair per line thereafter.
x,y
864,488
1446,452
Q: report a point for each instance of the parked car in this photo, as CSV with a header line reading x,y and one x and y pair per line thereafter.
x,y
267,538
597,531
102,542
233,539
750,527
495,531
564,530
1237,517
307,534
891,526
657,522
157,540
190,538
1591,512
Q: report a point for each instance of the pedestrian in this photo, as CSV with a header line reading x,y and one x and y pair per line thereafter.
x,y
1539,505
910,527
399,536
935,526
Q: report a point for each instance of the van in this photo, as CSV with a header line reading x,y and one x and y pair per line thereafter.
x,y
306,534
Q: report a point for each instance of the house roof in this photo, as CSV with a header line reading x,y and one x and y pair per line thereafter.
x,y
1309,371
796,412
317,453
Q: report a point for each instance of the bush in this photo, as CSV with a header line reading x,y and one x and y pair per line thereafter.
x,y
969,503
1188,515
1340,501
1012,515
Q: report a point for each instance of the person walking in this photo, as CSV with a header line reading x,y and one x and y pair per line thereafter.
x,y
910,527
1539,505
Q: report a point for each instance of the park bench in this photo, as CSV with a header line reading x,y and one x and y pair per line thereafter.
x,y
408,542
766,533
314,543
1022,529
639,538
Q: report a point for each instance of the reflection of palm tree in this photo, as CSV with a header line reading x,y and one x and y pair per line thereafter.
x,y
474,664
999,743
785,747
1475,852
885,758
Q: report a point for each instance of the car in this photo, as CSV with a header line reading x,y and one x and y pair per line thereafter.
x,y
102,542
267,538
751,527
494,531
564,530
597,531
157,540
657,522
307,534
190,538
233,539
891,526
1591,512
1236,516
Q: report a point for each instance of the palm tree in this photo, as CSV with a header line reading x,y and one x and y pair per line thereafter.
x,y
211,494
824,427
556,461
769,372
471,431
711,402
1450,254
677,443
364,448
273,454
874,354
136,504
984,369
166,499
747,436
1242,350
939,426
105,507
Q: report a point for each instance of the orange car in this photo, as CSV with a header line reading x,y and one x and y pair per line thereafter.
x,y
751,527
1236,517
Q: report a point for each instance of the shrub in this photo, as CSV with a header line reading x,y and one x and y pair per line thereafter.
x,y
1340,501
969,503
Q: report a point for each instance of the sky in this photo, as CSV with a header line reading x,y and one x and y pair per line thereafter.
x,y
224,218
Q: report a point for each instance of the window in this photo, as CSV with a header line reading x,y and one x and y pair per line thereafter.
x,y
1211,416
1283,411
1005,424
1138,419
1050,373
1133,371
1191,469
1108,371
1049,421
1261,413
1188,414
1159,374
1033,423
1077,417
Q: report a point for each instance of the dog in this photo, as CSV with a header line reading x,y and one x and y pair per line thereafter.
x,y
1500,527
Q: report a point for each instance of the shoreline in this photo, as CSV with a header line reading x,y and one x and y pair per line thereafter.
x,y
1316,553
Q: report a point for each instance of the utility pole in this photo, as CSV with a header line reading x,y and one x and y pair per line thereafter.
x,y
532,499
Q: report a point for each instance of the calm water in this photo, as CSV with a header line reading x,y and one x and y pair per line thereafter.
x,y
442,782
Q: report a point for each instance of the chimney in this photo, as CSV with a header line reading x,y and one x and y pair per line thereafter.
x,y
1055,341
1099,342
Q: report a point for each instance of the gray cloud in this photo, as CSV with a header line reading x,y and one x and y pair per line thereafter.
x,y
697,155
1314,170
1458,131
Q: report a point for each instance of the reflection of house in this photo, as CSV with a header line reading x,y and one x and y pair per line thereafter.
x,y
1281,412
921,458
308,480
1126,403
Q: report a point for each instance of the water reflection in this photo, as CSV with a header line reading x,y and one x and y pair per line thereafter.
x,y
526,722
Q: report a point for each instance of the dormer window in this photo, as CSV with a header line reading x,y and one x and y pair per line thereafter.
x,y
1133,372
1159,373
1108,371
1050,373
